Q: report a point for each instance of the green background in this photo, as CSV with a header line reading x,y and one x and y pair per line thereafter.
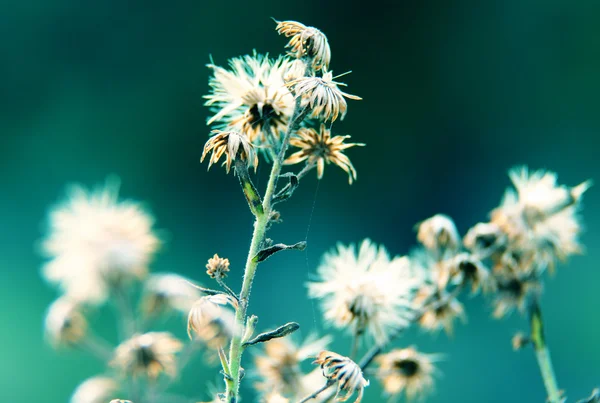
x,y
455,93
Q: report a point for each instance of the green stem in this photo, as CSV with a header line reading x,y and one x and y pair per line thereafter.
x,y
258,236
542,353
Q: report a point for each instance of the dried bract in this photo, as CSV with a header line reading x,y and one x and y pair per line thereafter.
x,y
345,372
228,143
306,42
322,95
407,370
148,354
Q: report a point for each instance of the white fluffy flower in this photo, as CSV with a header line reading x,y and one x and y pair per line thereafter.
x,y
365,290
168,291
96,241
95,390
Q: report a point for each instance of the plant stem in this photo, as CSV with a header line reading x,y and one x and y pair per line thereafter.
x,y
316,393
258,236
542,353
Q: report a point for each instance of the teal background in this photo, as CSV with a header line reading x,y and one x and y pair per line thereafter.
x,y
455,93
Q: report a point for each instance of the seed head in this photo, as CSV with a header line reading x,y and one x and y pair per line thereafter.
x,y
345,372
228,143
306,42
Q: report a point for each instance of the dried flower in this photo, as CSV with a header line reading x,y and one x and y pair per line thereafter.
x,y
252,97
407,370
148,354
65,324
514,293
95,390
229,143
441,309
97,242
345,372
320,148
438,233
211,322
540,217
217,267
278,368
322,95
306,42
465,268
484,239
166,292
365,291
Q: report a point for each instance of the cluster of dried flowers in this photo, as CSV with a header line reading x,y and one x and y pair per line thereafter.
x,y
100,247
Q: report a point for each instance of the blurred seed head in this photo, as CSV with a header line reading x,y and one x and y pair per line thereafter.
x,y
439,233
65,324
513,293
166,292
95,390
440,309
210,320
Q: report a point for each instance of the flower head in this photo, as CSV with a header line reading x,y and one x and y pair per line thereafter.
x,y
65,324
345,372
320,148
441,309
465,269
514,293
211,322
95,390
278,367
229,143
217,267
306,42
166,292
97,242
366,291
540,217
252,97
438,233
322,95
148,354
406,370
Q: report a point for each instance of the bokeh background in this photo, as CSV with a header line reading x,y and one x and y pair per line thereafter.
x,y
455,94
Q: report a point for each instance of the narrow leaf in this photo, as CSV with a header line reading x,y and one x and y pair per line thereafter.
x,y
288,190
281,331
265,253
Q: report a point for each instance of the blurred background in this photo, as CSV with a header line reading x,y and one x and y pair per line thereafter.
x,y
455,94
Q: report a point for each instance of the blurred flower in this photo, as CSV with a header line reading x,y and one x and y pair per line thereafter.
x,y
65,324
306,42
519,341
441,309
168,291
322,95
320,148
345,372
229,143
514,293
95,390
97,242
541,217
278,367
120,401
148,354
466,269
217,267
211,322
275,398
438,233
367,291
407,370
484,239
252,97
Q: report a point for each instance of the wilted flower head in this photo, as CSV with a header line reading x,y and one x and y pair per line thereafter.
x,y
306,42
322,95
541,217
438,233
168,291
217,267
514,293
365,290
210,321
97,242
484,239
252,97
229,143
65,324
95,390
278,367
439,309
465,269
407,370
345,372
148,354
318,148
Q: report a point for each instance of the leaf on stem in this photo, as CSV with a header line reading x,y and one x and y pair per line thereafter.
x,y
281,331
288,190
265,253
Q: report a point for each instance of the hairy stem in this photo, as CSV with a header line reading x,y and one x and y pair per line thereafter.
x,y
542,354
316,393
258,236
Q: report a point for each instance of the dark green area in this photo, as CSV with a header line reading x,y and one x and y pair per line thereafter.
x,y
455,93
